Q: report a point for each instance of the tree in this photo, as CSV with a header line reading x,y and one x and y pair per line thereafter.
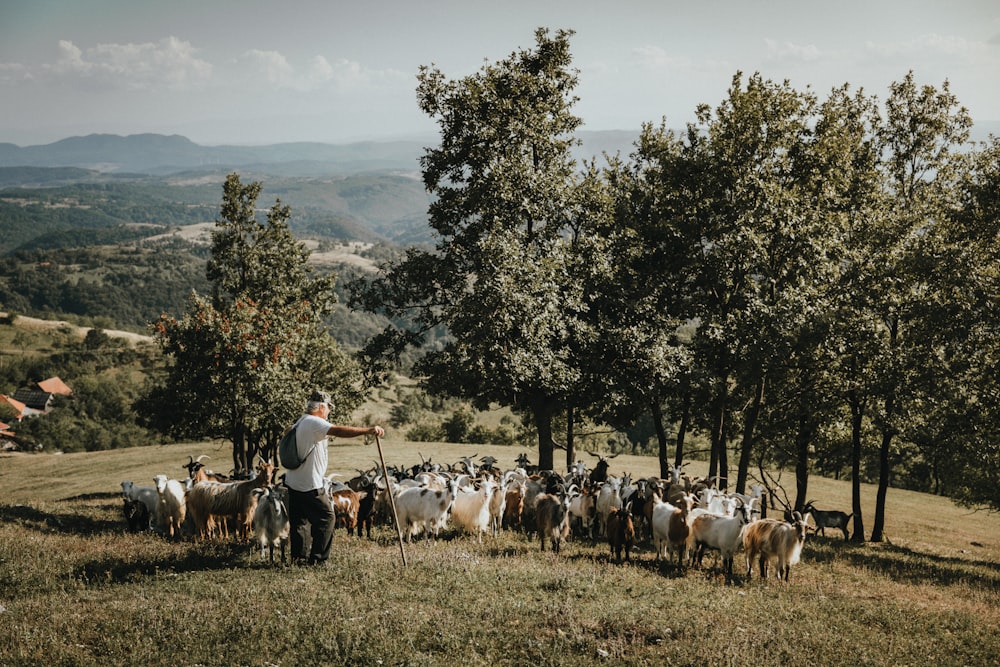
x,y
853,199
505,194
960,434
243,359
920,135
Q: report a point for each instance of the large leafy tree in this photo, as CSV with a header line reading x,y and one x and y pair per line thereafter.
x,y
959,433
506,193
851,196
920,137
243,358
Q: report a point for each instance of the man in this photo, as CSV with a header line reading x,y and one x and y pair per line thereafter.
x,y
309,510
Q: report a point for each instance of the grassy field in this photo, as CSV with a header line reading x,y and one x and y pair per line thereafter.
x,y
76,589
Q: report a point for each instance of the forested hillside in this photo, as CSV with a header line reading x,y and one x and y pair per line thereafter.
x,y
89,245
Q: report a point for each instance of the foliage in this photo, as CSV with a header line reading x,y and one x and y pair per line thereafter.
x,y
133,285
244,359
502,180
106,377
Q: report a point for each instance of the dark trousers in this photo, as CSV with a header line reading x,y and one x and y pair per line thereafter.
x,y
311,517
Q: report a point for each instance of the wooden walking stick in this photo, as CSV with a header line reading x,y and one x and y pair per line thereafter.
x,y
392,501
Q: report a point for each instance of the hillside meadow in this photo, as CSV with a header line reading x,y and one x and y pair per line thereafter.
x,y
76,589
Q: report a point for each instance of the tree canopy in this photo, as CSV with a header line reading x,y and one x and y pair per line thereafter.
x,y
776,276
245,358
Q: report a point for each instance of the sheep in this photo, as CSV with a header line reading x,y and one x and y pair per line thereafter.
x,y
146,494
270,521
207,500
471,509
771,539
552,519
171,507
425,509
621,532
136,515
827,519
719,532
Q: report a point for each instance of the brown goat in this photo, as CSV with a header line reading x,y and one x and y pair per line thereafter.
x,y
346,503
514,507
678,529
208,501
552,519
771,539
621,532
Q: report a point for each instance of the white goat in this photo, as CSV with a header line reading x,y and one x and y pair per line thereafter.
x,y
171,507
146,494
498,504
582,511
608,500
419,508
719,532
670,527
270,521
471,509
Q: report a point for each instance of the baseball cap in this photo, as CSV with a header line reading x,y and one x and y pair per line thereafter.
x,y
321,397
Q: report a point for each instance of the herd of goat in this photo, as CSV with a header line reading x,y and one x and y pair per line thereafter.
x,y
681,517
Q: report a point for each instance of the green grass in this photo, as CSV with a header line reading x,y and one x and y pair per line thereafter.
x,y
76,589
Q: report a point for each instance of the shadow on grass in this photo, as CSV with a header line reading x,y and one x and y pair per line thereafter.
x,y
915,567
62,522
196,559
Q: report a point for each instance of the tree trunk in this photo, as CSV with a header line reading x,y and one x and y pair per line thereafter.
x,y
718,428
803,438
887,433
239,448
682,430
857,416
749,422
542,410
661,438
883,473
570,446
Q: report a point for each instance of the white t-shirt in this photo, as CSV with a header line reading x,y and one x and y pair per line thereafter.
x,y
311,430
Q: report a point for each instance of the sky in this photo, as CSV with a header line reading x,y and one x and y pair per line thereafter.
x,y
253,72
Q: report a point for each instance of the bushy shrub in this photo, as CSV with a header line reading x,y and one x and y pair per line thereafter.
x,y
425,432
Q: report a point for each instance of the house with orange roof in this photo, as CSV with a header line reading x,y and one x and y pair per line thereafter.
x,y
18,406
37,398
54,385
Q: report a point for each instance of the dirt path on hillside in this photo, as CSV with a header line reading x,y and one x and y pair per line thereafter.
x,y
35,324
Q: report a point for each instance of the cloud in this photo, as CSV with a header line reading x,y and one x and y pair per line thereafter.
x,y
318,74
11,72
170,63
925,45
272,66
786,51
656,58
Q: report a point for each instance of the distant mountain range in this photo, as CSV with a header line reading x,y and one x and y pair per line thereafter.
x,y
158,154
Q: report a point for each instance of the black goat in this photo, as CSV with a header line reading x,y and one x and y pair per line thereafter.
x,y
827,519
